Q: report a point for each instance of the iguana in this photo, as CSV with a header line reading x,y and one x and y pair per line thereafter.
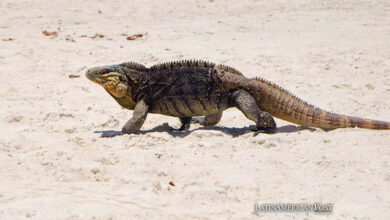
x,y
190,88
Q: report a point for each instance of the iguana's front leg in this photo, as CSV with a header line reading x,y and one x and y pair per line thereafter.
x,y
139,115
134,124
185,123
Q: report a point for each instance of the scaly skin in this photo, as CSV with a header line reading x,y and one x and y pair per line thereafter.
x,y
197,88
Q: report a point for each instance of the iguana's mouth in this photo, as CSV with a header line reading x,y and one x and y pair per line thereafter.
x,y
113,82
94,78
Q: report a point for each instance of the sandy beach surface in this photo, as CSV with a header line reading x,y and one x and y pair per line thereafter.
x,y
334,54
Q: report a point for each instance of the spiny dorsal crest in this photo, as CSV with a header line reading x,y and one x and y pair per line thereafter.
x,y
181,64
229,69
134,65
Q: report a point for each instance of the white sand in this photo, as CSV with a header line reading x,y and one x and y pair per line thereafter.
x,y
334,54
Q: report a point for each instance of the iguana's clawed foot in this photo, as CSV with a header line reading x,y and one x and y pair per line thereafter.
x,y
185,124
111,133
257,131
266,131
183,127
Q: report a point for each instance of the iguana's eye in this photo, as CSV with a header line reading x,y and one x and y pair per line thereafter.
x,y
104,71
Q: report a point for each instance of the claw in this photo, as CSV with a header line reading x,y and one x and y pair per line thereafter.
x,y
184,127
257,131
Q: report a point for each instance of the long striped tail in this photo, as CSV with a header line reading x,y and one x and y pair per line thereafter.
x,y
286,106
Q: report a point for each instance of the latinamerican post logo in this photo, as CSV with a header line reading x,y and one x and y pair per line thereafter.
x,y
293,207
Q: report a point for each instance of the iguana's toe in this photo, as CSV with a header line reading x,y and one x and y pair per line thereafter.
x,y
183,127
257,130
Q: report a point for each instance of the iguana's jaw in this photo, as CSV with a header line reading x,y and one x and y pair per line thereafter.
x,y
113,82
94,77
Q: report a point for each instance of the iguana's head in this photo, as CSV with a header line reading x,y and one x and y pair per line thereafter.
x,y
111,78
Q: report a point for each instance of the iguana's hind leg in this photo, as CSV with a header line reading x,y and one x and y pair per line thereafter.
x,y
245,102
212,119
185,123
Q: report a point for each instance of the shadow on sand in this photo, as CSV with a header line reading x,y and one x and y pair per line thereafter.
x,y
234,132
